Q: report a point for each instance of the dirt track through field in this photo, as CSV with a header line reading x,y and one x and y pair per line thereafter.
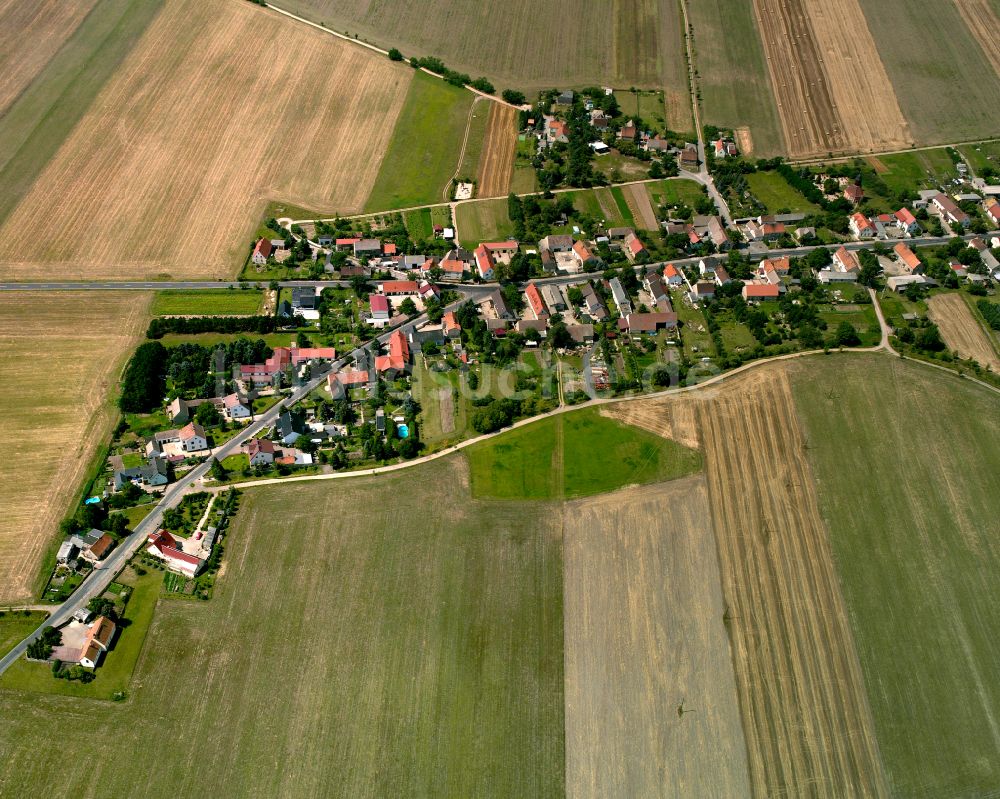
x,y
984,24
219,107
961,330
831,87
55,411
39,28
496,162
651,705
805,713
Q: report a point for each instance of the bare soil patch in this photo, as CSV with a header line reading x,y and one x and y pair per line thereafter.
x,y
218,108
55,411
744,140
34,32
961,330
496,162
808,725
651,703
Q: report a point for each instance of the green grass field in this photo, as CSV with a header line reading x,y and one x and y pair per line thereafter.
x,y
378,645
418,224
477,138
574,455
485,220
945,85
981,155
623,210
674,192
423,154
15,626
115,673
776,193
924,169
647,105
732,72
36,124
206,302
912,513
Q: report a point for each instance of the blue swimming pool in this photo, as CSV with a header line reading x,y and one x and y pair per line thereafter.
x,y
404,431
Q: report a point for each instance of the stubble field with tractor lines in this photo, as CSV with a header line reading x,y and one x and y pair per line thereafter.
x,y
220,107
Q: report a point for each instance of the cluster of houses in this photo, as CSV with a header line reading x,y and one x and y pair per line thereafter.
x,y
91,547
85,639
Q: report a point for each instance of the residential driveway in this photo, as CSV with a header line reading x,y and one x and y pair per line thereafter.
x,y
74,634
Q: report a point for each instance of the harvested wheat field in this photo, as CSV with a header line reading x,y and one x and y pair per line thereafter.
x,y
41,27
651,704
961,330
805,712
56,413
496,161
672,418
831,87
219,107
981,17
638,202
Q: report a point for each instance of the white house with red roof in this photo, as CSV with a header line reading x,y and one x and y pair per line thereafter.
x,y
164,546
861,226
907,222
260,452
634,248
398,358
192,437
261,252
846,261
755,292
485,265
672,275
911,263
237,407
535,301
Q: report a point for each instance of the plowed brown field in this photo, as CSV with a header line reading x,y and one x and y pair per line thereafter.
x,y
219,107
832,89
55,410
962,332
496,162
805,712
981,18
651,704
41,27
672,418
642,210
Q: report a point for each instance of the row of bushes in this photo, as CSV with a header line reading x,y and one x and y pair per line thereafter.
x,y
437,66
162,325
990,312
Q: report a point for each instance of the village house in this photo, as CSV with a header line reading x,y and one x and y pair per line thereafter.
x,y
152,474
561,242
261,252
398,288
634,248
724,148
452,329
270,372
861,226
397,360
647,323
164,546
657,291
703,290
774,270
907,222
553,298
97,642
620,296
755,292
535,302
717,234
763,229
949,211
582,255
339,383
367,248
595,308
99,549
556,130
721,276
485,264
846,261
853,193
581,334
628,131
911,263
260,452
689,156
237,407
672,275
378,305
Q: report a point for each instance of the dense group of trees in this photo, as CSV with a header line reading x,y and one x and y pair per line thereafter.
x,y
41,647
437,66
144,383
990,312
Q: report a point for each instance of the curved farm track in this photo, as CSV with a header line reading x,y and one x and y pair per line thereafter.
x,y
808,726
496,162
